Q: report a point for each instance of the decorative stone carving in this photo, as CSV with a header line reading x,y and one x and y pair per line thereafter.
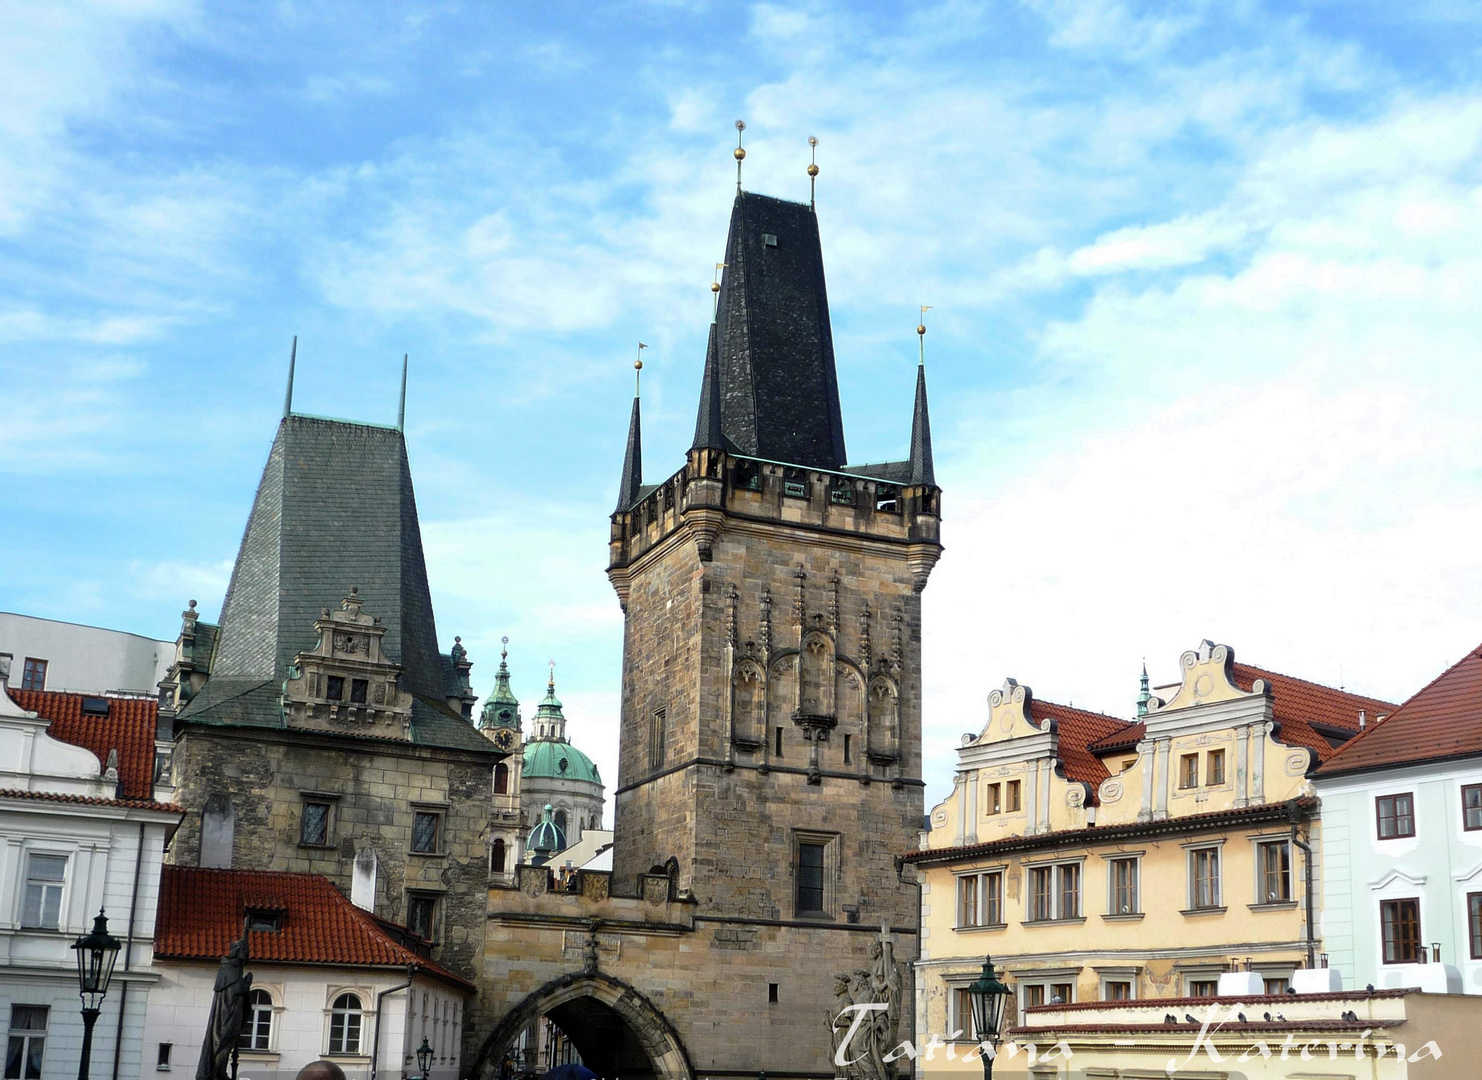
x,y
1110,791
864,1024
1297,762
1208,675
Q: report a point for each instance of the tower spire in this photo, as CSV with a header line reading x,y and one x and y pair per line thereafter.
x,y
401,410
812,171
740,153
923,472
707,423
1143,695
633,458
288,397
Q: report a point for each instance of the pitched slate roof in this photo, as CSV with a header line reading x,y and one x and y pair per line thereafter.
x,y
1442,720
1077,729
201,914
923,471
779,387
1302,709
334,509
128,728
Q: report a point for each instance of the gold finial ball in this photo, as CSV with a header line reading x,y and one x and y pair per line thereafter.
x,y
740,153
812,170
740,125
812,140
920,329
715,286
637,365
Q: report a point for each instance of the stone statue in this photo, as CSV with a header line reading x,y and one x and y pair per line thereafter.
x,y
865,1022
228,1007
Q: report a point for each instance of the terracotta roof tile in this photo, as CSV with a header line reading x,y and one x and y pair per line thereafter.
x,y
201,913
91,800
1125,738
128,728
1077,729
1297,705
1442,720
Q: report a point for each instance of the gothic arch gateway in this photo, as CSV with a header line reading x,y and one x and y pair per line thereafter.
x,y
617,1030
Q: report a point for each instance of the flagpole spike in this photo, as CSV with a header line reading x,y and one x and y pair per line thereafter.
x,y
288,397
739,152
401,410
638,369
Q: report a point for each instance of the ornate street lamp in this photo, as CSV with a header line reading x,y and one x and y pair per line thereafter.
x,y
96,954
989,998
424,1057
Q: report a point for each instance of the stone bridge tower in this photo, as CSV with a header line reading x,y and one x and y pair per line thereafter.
x,y
770,750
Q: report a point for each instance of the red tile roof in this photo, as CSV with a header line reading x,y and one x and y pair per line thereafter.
x,y
1297,705
1442,720
128,728
1077,729
1125,738
201,913
91,800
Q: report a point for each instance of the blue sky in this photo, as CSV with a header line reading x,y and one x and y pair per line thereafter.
x,y
1202,351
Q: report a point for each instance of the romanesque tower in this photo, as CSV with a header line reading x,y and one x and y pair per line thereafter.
x,y
770,751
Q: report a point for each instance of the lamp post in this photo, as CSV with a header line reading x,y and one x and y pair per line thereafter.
x,y
96,954
424,1057
989,998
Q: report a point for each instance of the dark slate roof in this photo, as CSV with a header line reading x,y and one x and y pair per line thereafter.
x,y
922,469
779,388
335,508
708,425
632,481
892,472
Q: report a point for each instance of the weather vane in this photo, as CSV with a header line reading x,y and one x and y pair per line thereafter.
x,y
740,153
637,374
812,169
921,332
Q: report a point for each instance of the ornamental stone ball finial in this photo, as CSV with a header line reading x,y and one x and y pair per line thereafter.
x,y
739,153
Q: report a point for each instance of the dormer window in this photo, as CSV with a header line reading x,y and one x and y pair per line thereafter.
x,y
264,920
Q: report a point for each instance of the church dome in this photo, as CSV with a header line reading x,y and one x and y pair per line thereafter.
x,y
546,838
557,759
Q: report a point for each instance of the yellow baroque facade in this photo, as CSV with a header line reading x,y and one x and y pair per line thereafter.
x,y
1098,859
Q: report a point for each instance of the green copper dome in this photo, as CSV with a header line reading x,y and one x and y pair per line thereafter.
x,y
557,759
546,838
501,710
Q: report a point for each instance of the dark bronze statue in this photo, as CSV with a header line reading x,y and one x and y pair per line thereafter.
x,y
228,1007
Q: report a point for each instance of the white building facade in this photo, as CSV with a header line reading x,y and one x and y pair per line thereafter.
x,y
69,848
46,654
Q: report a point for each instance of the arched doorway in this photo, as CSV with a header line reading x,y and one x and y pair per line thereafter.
x,y
617,1031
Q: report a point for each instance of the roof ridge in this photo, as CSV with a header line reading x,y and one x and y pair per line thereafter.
x,y
1310,682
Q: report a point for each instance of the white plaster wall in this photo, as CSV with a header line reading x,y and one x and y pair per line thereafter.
x,y
85,659
180,1005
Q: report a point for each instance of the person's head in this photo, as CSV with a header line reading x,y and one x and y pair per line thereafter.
x,y
321,1070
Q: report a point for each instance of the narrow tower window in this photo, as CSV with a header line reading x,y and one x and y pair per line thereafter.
x,y
656,736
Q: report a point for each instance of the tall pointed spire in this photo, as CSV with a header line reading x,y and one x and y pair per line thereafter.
x,y
633,459
288,397
502,708
707,423
1143,695
922,470
401,410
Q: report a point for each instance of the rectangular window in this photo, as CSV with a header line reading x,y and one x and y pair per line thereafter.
x,y
968,888
422,915
962,1014
993,898
1188,771
33,675
1396,814
1070,892
1116,991
1204,878
810,879
1474,923
426,831
991,804
1062,993
1400,923
1042,893
656,736
778,750
1011,797
334,688
846,749
1275,872
1214,768
358,687
162,1063
27,1043
1471,807
45,876
1034,994
313,826
1275,986
1203,987
772,995
1124,887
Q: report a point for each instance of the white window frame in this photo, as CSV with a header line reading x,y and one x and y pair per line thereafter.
x,y
1046,981
1259,844
28,1035
980,886
1057,889
331,1012
1191,854
64,891
274,1009
1135,858
955,1020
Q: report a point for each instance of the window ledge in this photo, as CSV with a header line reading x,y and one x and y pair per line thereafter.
x,y
1076,921
815,916
981,926
428,854
258,1055
1274,905
1187,912
1131,916
319,847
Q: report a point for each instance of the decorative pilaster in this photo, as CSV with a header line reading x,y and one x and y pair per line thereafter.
x,y
1160,790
